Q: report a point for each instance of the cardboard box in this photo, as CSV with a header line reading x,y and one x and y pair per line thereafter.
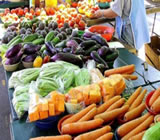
x,y
152,52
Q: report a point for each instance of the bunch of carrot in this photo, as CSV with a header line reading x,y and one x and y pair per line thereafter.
x,y
154,101
125,71
111,109
136,104
135,129
62,137
83,121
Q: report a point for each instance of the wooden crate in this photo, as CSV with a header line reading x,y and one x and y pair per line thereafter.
x,y
152,52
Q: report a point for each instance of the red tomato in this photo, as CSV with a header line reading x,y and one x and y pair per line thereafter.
x,y
21,12
32,11
38,12
25,10
71,23
13,11
52,12
82,24
78,20
60,25
30,16
47,11
74,4
58,16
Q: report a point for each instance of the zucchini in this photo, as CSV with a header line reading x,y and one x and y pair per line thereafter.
x,y
38,41
112,56
30,38
61,44
15,38
17,41
56,40
49,36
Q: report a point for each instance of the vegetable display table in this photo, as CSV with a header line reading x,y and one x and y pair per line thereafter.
x,y
20,129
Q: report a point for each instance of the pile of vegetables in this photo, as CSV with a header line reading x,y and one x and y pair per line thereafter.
x,y
50,43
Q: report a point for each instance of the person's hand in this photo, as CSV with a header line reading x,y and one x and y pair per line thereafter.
x,y
98,14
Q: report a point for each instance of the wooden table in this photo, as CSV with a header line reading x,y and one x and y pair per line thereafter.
x,y
20,129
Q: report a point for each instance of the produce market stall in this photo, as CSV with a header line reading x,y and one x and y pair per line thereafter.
x,y
63,79
30,130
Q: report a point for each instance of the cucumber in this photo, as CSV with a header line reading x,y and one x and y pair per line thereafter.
x,y
38,41
49,36
112,56
56,40
15,38
61,44
152,133
30,38
17,41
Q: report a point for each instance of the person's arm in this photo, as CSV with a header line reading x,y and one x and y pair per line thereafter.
x,y
115,10
108,13
61,2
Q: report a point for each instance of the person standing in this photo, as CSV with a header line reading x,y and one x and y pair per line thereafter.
x,y
131,23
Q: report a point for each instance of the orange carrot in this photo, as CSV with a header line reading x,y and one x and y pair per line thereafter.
x,y
134,96
129,126
62,137
107,136
93,135
156,105
79,115
139,100
154,97
120,70
117,104
130,77
111,115
139,136
143,126
89,115
105,106
134,113
106,98
79,127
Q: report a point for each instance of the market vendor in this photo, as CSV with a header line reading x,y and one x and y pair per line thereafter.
x,y
131,23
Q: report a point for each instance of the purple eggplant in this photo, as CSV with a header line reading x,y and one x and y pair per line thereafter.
x,y
67,50
100,40
13,51
88,35
30,48
71,58
50,48
15,59
45,52
30,58
88,44
103,51
77,39
71,43
97,58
